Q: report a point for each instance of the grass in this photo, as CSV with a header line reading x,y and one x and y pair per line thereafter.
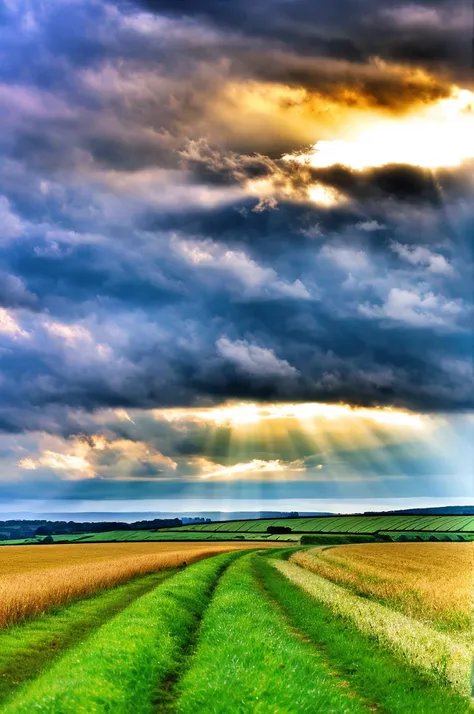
x,y
35,578
428,581
28,648
120,667
434,654
247,660
372,671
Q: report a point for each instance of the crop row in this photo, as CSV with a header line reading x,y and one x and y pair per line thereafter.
x,y
344,524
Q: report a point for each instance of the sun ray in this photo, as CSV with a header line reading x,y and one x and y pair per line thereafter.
x,y
440,135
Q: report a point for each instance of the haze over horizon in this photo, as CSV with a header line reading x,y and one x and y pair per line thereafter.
x,y
236,255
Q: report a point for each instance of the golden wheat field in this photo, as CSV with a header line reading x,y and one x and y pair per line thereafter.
x,y
428,581
35,578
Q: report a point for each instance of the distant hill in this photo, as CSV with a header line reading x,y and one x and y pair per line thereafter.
x,y
132,516
19,528
437,511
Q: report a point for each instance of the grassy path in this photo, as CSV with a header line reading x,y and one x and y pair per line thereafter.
x,y
119,668
247,659
167,692
434,654
29,648
375,673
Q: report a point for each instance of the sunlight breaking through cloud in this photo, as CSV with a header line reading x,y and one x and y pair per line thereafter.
x,y
233,414
440,135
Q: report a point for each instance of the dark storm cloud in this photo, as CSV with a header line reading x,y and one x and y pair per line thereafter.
x,y
427,33
138,267
396,182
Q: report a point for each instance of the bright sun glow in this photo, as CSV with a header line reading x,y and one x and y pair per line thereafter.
x,y
235,415
441,135
257,467
324,195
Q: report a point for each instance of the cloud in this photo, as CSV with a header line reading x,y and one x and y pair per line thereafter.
x,y
14,294
158,251
422,256
9,326
254,278
10,224
203,203
253,360
95,456
416,310
370,226
72,459
345,258
254,469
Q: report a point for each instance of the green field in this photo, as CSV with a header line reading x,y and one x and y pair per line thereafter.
x,y
389,527
159,536
248,631
344,524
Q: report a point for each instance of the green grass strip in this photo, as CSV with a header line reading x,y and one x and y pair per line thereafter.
x,y
372,671
120,667
28,648
433,653
247,660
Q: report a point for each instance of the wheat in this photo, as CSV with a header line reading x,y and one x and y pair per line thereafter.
x,y
429,581
434,653
36,578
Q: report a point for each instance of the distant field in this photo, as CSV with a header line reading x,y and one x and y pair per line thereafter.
x,y
156,536
182,535
35,578
345,524
395,528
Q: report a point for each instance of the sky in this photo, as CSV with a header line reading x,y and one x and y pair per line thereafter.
x,y
236,265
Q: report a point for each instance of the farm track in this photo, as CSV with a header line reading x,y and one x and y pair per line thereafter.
x,y
125,660
380,678
433,654
28,649
248,659
303,636
167,695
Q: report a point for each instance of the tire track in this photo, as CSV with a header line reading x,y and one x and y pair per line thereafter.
x,y
27,650
164,701
296,632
